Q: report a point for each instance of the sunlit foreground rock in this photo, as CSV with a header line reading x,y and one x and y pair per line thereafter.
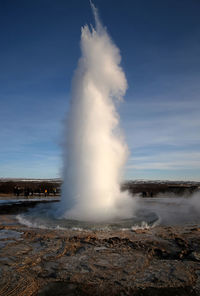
x,y
159,261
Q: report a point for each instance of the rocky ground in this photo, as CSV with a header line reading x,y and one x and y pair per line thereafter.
x,y
159,261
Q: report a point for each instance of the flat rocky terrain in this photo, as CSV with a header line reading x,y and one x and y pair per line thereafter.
x,y
157,261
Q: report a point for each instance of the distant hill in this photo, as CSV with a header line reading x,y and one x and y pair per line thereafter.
x,y
145,188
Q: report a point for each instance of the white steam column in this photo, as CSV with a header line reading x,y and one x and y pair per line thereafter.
x,y
95,152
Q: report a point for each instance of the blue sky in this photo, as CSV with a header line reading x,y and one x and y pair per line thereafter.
x,y
160,47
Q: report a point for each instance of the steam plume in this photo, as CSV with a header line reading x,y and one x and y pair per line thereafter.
x,y
95,151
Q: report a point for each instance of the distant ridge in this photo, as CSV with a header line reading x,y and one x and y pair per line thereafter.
x,y
30,180
136,181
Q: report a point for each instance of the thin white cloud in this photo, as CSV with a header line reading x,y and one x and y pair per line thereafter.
x,y
167,123
166,161
163,136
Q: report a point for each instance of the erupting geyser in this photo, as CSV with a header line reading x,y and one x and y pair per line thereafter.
x,y
95,152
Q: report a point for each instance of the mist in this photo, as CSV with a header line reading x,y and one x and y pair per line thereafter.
x,y
172,209
195,201
94,148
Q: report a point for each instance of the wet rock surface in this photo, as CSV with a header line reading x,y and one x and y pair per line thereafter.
x,y
159,261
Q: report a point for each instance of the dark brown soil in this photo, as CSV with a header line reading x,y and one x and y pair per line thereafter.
x,y
159,261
